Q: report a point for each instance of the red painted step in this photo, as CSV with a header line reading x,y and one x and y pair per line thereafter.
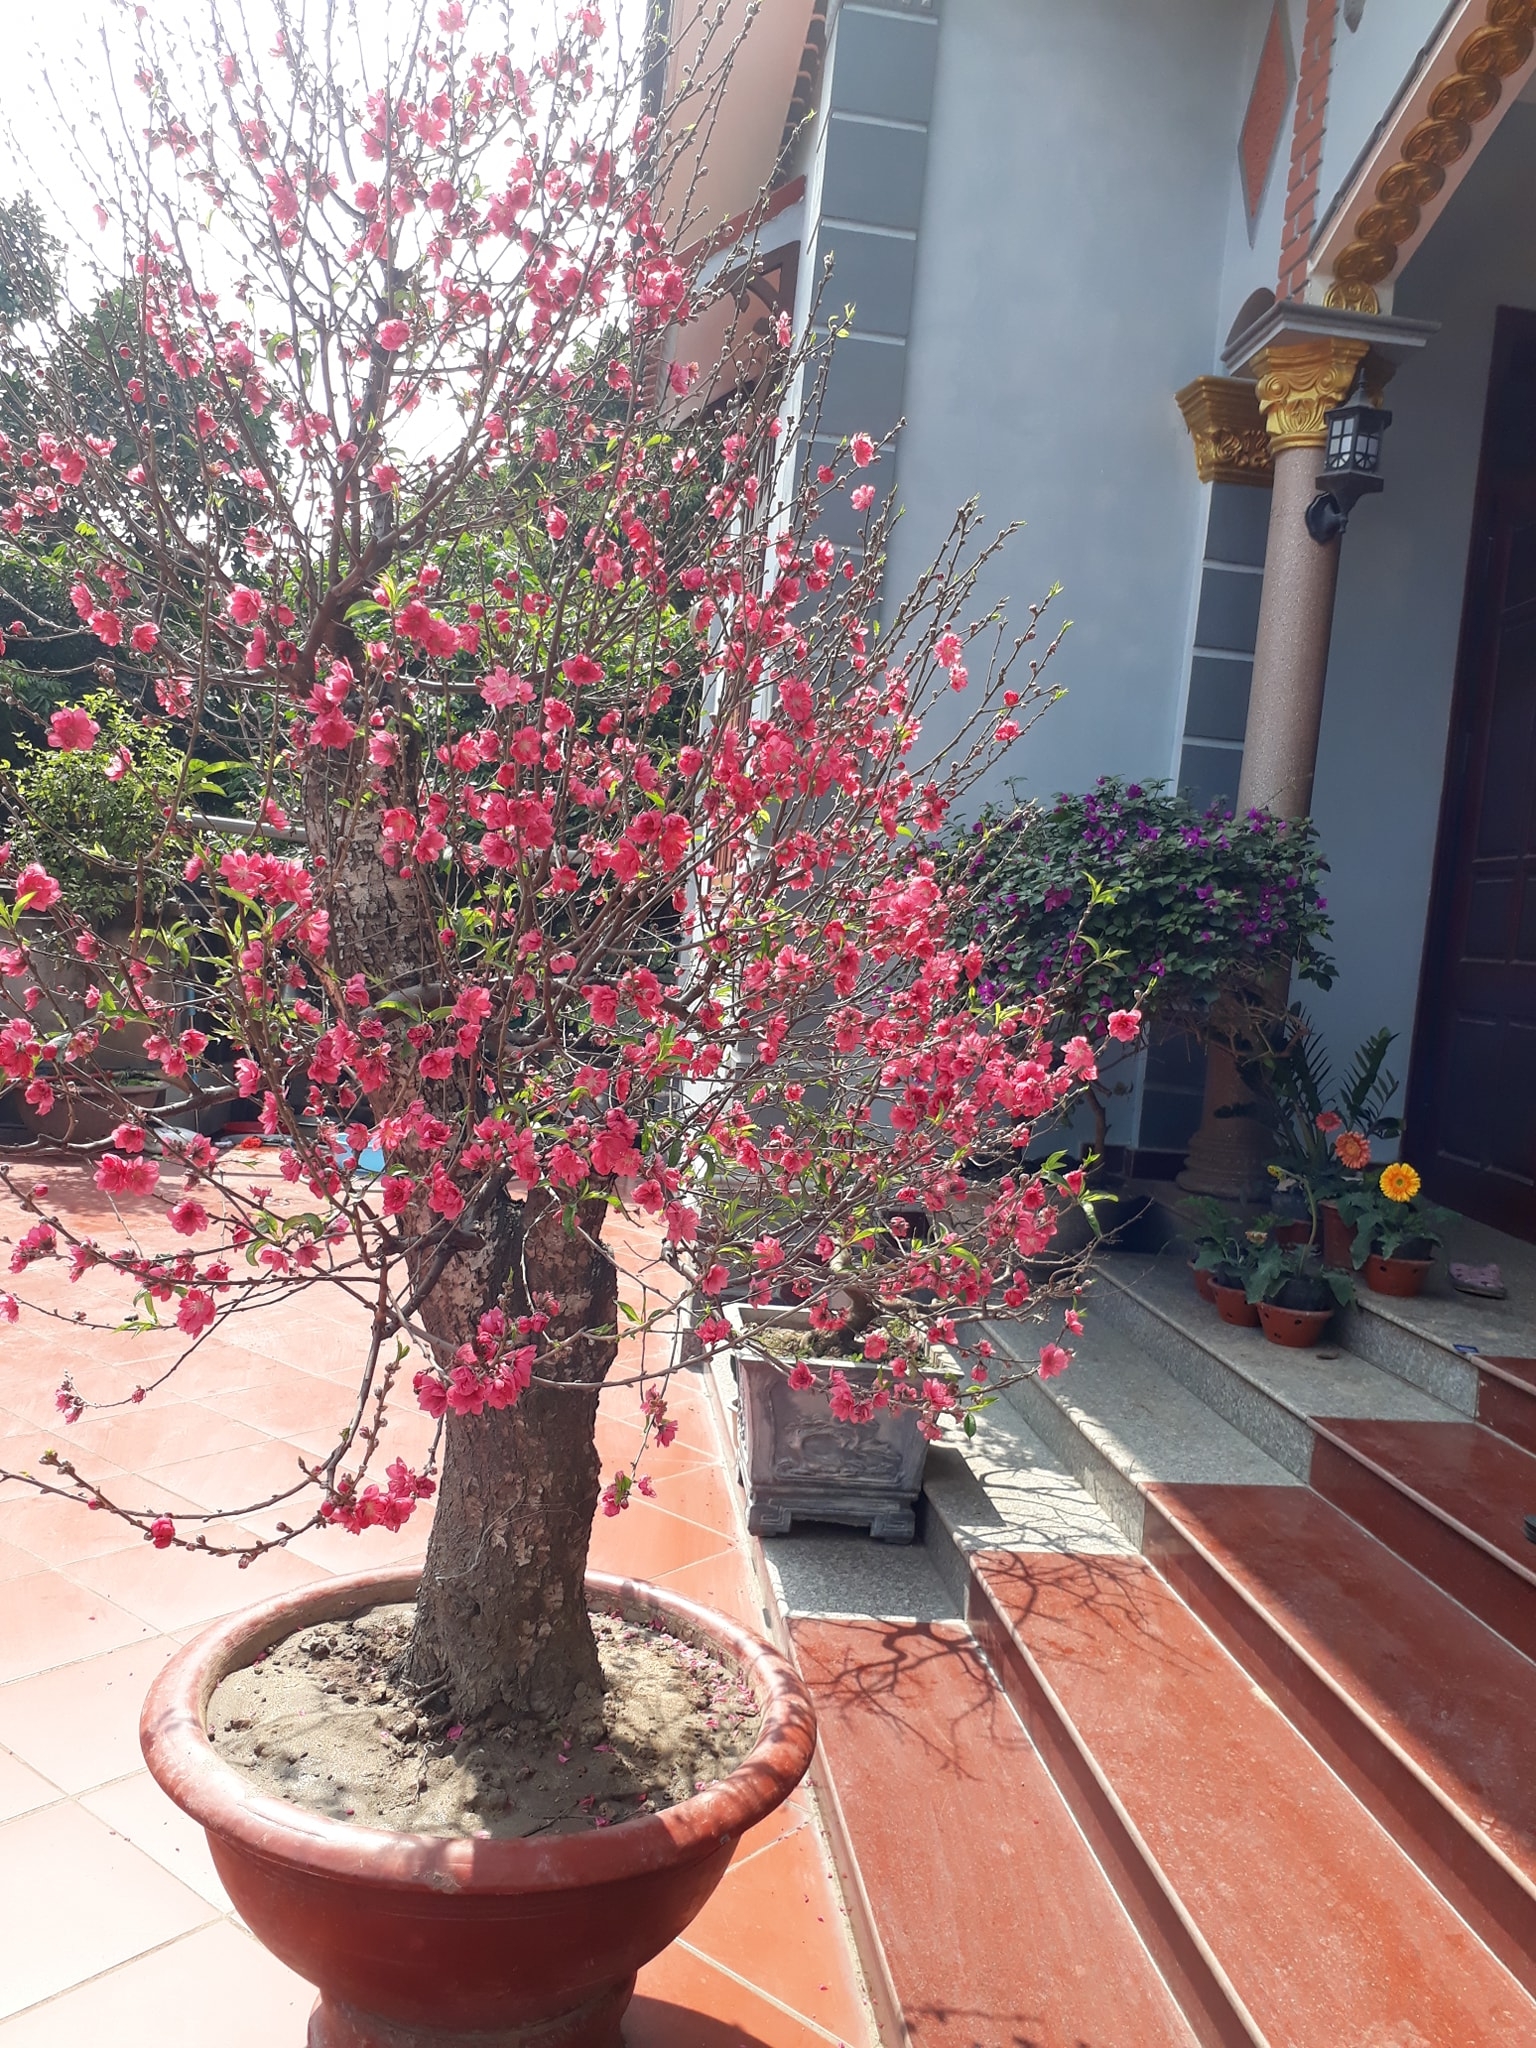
x,y
1450,1497
1506,1398
1327,1934
996,1923
1422,1710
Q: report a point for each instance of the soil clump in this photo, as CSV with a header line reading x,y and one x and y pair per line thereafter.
x,y
318,1722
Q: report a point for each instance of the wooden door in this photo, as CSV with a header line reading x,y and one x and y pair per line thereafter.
x,y
1472,1095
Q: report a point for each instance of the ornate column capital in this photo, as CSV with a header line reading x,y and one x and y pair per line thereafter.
x,y
1223,418
1299,383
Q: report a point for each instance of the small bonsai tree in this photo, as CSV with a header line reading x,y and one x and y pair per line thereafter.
x,y
612,890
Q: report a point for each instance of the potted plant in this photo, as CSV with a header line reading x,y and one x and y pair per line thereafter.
x,y
823,1431
1219,1248
1128,885
1394,1232
1295,1299
1322,1136
615,905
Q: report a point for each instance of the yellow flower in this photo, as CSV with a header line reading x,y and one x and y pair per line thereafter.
x,y
1399,1182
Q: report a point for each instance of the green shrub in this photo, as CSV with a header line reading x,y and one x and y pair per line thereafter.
x,y
97,831
1130,889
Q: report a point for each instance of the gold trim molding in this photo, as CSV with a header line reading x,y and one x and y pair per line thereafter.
x,y
1231,446
1299,383
1391,215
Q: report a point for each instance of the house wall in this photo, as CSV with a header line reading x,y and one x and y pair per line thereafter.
x,y
1392,666
1370,63
1067,283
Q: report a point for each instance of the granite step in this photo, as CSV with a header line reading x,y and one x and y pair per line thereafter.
x,y
1445,1492
1419,1707
982,1914
1323,1931
1209,1805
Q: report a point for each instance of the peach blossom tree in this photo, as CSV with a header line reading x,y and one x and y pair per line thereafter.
x,y
577,859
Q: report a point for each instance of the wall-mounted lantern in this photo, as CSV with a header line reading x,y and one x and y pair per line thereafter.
x,y
1351,458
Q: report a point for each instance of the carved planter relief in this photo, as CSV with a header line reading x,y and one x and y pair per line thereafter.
x,y
798,1462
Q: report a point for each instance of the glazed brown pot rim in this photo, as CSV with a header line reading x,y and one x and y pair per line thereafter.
x,y
184,1763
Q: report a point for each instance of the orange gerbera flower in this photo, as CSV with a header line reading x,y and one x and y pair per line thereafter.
x,y
1399,1182
1352,1149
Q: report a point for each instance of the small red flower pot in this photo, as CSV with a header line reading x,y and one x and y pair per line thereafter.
x,y
1233,1306
1338,1238
1205,1286
1292,1233
1402,1277
420,1941
1297,1328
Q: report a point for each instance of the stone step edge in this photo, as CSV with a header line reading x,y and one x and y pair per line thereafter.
x,y
1190,1968
1379,1332
1294,1432
1393,1788
879,1985
1476,1878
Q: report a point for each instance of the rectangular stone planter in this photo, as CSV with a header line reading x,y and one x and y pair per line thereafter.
x,y
798,1462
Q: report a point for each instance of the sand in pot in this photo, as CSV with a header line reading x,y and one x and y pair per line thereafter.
x,y
318,1723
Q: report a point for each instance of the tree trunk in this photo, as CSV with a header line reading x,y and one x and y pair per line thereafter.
x,y
502,1628
501,1619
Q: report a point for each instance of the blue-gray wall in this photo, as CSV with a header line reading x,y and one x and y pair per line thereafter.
x,y
1067,282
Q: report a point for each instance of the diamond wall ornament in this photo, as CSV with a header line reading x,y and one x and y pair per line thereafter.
x,y
1269,103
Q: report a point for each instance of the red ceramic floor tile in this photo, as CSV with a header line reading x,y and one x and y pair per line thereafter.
x,y
75,1899
768,1924
79,1724
998,1924
62,1532
46,1619
16,1562
701,1494
21,1788
645,1542
285,1399
1271,1856
219,1365
684,2001
247,1478
723,1582
175,1588
216,1988
140,1812
1455,1696
158,1432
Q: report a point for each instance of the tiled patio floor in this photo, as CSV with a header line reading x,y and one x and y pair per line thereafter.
x,y
113,1924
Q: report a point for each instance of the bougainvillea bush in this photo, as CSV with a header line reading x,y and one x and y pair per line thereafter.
x,y
1129,886
586,859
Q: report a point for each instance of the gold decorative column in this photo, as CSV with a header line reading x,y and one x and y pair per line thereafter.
x,y
1298,383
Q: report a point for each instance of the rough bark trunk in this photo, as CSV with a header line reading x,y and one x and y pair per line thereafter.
x,y
502,1627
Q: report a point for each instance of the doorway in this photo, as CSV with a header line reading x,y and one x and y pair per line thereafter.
x,y
1472,1084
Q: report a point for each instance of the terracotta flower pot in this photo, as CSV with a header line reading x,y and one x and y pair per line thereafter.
x,y
1293,1233
1338,1238
1402,1277
1205,1286
418,1941
1297,1328
1233,1306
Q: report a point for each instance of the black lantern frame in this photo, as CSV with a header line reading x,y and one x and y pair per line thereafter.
x,y
1351,457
